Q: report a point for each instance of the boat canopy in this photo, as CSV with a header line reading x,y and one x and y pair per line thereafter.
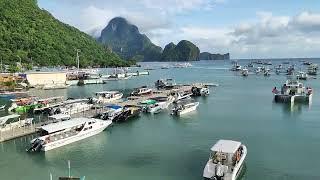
x,y
107,92
226,146
114,107
72,101
54,127
149,101
4,119
60,116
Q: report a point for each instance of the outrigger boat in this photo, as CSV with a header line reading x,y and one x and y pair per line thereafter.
x,y
66,132
292,91
226,160
24,105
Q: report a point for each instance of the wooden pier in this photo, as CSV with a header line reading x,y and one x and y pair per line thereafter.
x,y
16,132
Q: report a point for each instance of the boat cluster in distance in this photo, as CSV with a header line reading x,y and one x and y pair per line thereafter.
x,y
68,123
293,90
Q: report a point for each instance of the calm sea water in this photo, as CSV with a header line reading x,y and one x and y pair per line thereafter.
x,y
283,143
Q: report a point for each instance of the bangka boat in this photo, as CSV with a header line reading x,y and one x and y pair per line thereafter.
x,y
13,121
73,106
293,91
24,105
184,108
141,91
108,96
65,132
226,160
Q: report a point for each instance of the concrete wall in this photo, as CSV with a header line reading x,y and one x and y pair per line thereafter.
x,y
44,78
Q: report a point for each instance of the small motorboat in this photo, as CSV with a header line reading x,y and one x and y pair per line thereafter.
x,y
181,96
108,96
184,108
266,72
226,160
302,76
245,72
141,91
165,84
200,91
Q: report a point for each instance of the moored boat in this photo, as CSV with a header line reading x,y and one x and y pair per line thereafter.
x,y
141,91
244,72
200,91
302,76
66,132
165,84
226,160
128,112
184,108
108,96
293,91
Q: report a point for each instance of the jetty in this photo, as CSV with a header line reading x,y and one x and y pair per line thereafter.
x,y
12,132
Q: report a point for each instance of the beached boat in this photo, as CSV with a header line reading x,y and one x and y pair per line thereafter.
x,y
184,108
244,72
108,96
226,160
302,76
65,132
200,91
165,84
293,91
141,91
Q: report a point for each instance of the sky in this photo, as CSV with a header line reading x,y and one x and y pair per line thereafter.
x,y
245,28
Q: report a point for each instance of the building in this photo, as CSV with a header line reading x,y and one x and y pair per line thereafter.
x,y
46,78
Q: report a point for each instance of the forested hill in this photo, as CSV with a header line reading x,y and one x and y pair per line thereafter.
x,y
26,32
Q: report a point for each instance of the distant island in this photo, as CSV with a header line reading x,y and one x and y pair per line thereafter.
x,y
125,39
209,56
33,36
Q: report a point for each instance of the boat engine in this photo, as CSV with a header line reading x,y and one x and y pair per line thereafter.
x,y
36,146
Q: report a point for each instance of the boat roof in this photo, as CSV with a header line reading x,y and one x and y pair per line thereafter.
x,y
226,146
51,98
114,107
149,101
54,127
6,118
107,92
60,116
71,101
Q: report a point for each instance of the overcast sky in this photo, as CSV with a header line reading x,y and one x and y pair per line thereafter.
x,y
245,28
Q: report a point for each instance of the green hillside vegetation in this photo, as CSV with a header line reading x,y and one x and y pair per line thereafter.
x,y
183,51
28,32
126,40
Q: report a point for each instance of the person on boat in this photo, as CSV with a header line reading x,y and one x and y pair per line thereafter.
x,y
275,91
219,171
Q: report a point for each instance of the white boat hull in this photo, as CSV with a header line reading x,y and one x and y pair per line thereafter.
x,y
75,138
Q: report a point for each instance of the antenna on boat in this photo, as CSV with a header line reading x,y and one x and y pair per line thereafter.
x,y
78,59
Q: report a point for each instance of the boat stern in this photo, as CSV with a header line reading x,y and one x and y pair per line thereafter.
x,y
209,170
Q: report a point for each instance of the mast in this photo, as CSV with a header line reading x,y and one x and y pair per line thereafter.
x,y
78,59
